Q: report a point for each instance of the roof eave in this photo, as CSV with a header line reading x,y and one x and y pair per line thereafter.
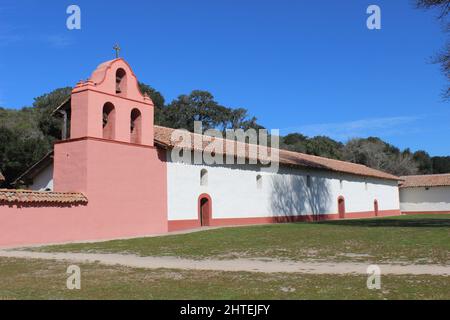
x,y
34,170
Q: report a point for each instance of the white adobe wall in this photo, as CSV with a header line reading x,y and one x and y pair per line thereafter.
x,y
44,180
422,200
234,192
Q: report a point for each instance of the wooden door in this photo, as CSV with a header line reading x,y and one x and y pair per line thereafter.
x,y
341,207
375,207
205,211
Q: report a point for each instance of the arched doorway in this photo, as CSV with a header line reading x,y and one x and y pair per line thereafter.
x,y
341,207
205,210
375,207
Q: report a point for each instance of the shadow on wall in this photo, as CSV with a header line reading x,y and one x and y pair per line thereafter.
x,y
293,195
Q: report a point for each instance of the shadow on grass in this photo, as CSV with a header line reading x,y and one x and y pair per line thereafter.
x,y
414,223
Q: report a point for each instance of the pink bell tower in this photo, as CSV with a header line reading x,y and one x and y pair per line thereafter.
x,y
110,106
111,157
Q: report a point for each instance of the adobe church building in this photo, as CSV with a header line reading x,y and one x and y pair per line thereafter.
x,y
113,176
425,194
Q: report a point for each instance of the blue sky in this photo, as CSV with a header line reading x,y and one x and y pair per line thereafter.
x,y
308,66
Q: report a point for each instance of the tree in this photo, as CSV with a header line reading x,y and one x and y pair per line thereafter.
x,y
442,5
19,152
201,106
26,135
324,147
319,146
158,101
294,142
294,138
377,154
239,119
51,126
197,106
443,58
424,162
441,164
402,164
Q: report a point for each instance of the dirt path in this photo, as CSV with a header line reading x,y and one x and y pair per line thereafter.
x,y
247,265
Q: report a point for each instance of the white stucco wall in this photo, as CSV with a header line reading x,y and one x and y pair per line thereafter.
x,y
234,192
44,180
422,200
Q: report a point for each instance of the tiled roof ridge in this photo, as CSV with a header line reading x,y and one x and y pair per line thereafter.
x,y
31,196
306,158
426,180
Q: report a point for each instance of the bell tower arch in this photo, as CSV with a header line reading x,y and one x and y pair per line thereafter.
x,y
110,156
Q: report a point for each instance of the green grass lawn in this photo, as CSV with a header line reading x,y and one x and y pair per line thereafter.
x,y
413,239
40,279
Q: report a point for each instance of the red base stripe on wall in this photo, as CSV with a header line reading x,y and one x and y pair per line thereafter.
x,y
175,225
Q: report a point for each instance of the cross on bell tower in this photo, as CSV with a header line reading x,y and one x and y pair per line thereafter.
x,y
117,49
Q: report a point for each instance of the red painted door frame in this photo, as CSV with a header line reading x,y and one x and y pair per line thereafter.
x,y
205,209
341,207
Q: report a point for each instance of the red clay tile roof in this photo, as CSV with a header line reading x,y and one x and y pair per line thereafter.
x,y
431,180
27,196
288,158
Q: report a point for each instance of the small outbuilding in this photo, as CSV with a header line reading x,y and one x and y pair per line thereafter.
x,y
425,194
